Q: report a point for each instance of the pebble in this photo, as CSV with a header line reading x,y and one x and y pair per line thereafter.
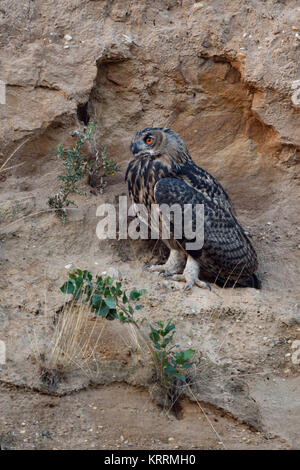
x,y
241,56
67,37
197,6
171,439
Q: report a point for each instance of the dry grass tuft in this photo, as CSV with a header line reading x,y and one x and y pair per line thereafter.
x,y
72,346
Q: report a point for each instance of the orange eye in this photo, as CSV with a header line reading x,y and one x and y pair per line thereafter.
x,y
149,140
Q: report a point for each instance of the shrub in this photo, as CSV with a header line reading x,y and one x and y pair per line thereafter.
x,y
106,298
168,365
77,165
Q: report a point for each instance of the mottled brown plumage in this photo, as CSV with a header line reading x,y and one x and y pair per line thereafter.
x,y
163,172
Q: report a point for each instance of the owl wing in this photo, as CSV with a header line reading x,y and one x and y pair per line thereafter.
x,y
204,182
225,243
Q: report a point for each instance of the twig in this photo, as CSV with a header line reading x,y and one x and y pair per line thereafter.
x,y
208,420
14,152
14,166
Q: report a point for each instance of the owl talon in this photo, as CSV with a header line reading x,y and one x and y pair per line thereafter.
x,y
187,287
167,274
198,283
202,284
164,273
147,266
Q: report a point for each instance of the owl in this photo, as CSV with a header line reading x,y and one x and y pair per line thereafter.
x,y
163,172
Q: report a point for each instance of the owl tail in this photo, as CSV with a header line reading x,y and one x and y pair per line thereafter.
x,y
251,281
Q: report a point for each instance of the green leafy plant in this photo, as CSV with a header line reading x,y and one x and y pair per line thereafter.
x,y
59,202
168,364
109,166
105,296
77,166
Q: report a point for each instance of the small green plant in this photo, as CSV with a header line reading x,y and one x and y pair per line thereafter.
x,y
77,165
59,202
168,364
105,296
109,166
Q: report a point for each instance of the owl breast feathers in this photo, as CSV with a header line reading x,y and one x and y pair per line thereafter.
x,y
163,172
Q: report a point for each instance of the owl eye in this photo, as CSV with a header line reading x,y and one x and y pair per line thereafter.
x,y
149,140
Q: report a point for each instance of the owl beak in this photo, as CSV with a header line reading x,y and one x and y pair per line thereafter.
x,y
134,149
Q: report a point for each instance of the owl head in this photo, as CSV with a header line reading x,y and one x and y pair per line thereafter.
x,y
157,141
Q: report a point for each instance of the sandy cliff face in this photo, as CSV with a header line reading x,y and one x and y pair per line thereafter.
x,y
225,75
180,63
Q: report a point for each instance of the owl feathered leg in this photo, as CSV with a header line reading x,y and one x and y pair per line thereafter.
x,y
190,275
174,265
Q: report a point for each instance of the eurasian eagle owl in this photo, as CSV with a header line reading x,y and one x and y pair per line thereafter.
x,y
163,172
